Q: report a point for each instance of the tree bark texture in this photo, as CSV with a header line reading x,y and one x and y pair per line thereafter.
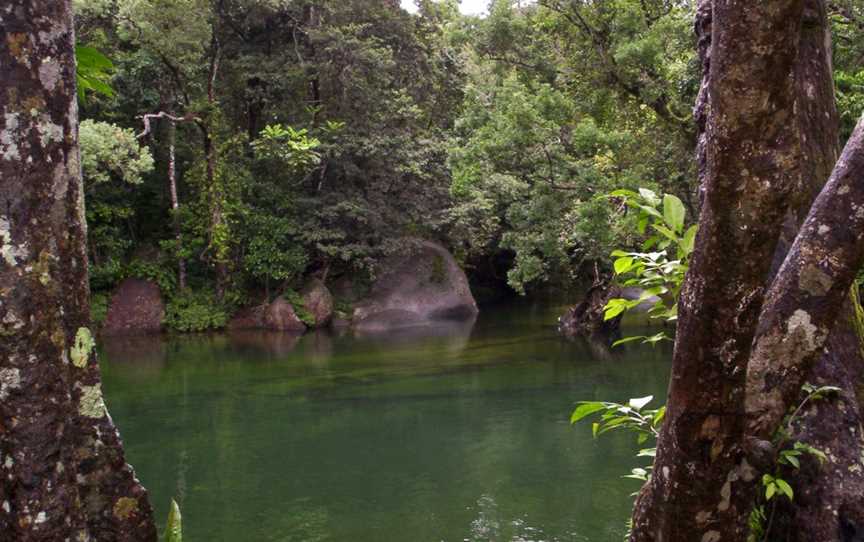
x,y
726,357
751,168
63,475
828,498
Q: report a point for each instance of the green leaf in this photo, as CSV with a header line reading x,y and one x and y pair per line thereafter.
x,y
669,234
770,489
626,340
594,428
622,265
640,402
784,487
648,210
586,409
614,307
649,196
673,212
91,59
658,416
93,71
638,474
174,527
622,193
647,452
815,452
654,339
792,460
689,241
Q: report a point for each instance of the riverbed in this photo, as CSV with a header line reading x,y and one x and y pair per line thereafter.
x,y
450,434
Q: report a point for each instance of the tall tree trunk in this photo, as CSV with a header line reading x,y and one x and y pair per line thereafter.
x,y
175,202
751,169
311,21
214,181
722,494
64,476
828,497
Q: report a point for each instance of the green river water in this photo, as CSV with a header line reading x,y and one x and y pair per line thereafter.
x,y
452,434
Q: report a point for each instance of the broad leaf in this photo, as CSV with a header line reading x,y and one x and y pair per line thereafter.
x,y
586,409
784,487
673,212
622,265
689,241
649,196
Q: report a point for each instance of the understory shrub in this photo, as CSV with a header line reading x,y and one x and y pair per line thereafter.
x,y
191,310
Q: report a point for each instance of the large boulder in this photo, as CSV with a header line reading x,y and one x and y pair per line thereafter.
x,y
136,307
280,316
420,285
318,302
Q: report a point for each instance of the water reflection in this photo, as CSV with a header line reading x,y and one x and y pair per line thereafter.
x,y
444,436
273,343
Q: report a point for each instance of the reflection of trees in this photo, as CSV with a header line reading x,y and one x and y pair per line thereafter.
x,y
385,438
454,334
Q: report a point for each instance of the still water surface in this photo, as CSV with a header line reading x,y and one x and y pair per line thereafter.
x,y
458,434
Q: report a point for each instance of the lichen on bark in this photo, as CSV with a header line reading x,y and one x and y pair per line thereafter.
x,y
59,447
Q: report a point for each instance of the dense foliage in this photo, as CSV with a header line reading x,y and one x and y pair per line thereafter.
x,y
310,137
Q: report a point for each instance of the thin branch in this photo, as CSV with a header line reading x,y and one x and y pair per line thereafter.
x,y
162,115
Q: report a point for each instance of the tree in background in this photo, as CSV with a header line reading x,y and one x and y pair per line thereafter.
x,y
376,88
64,475
566,102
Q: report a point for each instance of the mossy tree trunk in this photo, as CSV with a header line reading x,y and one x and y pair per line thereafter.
x,y
63,475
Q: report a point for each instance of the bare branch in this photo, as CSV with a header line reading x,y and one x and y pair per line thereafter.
x,y
162,115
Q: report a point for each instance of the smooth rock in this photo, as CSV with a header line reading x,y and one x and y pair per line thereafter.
x,y
280,316
318,301
136,307
420,285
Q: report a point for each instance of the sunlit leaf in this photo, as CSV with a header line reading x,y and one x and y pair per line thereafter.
x,y
586,409
622,265
784,487
174,526
626,340
649,196
640,402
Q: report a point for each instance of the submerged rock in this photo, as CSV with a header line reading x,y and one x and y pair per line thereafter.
x,y
136,307
318,302
422,284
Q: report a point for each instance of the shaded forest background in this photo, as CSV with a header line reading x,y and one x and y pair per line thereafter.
x,y
250,144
